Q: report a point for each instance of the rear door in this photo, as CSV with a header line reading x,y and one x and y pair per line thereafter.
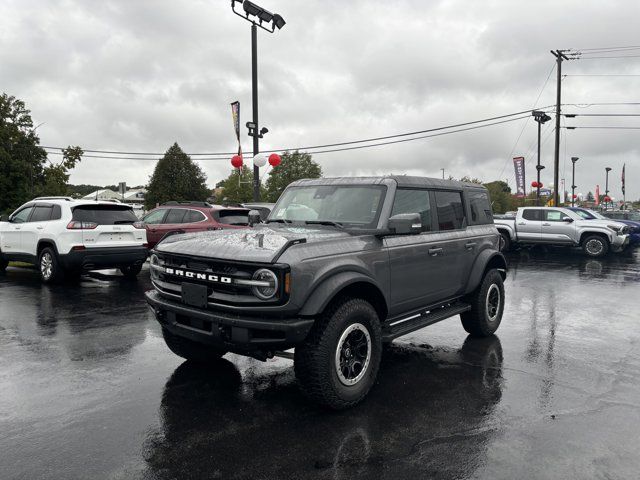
x,y
37,225
529,225
173,221
108,226
195,221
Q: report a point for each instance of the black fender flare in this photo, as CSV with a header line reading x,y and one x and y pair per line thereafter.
x,y
327,290
48,241
485,258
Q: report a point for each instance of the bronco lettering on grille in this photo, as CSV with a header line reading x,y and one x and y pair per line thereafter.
x,y
196,275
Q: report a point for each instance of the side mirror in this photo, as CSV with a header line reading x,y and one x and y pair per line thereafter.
x,y
405,224
567,219
254,218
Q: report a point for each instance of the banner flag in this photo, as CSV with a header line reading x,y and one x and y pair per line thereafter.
x,y
623,167
518,165
597,195
235,112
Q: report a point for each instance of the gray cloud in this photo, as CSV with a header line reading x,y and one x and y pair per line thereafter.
x,y
137,76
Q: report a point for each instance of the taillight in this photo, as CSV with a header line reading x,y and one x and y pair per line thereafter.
x,y
139,225
74,225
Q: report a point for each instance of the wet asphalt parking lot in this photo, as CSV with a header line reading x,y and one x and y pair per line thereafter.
x,y
89,390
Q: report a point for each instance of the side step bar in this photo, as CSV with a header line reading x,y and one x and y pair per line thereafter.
x,y
415,322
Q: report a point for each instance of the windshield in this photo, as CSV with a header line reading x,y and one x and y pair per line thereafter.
x,y
348,205
588,214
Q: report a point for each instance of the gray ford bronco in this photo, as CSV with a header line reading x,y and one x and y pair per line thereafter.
x,y
339,267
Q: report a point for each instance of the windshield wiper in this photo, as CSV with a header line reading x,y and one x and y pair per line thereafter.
x,y
122,222
325,222
278,220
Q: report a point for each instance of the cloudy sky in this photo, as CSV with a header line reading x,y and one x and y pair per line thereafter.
x,y
137,76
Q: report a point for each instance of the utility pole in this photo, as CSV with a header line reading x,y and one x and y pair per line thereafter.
x,y
540,118
560,56
442,173
254,99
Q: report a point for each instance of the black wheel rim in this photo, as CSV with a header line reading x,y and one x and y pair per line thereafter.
x,y
353,354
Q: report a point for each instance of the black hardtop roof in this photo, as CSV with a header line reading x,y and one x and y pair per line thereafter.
x,y
401,180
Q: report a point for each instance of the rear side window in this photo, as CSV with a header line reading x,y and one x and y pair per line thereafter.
x,y
413,201
532,214
104,214
450,208
175,215
193,216
41,213
232,217
480,207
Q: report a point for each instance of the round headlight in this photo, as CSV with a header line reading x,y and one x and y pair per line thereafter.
x,y
270,286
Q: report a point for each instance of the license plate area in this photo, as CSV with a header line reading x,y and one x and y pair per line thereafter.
x,y
194,295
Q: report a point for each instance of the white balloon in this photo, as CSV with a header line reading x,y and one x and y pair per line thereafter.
x,y
260,160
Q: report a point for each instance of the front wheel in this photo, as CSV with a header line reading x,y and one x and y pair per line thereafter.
x,y
190,350
338,362
595,246
487,305
49,266
131,271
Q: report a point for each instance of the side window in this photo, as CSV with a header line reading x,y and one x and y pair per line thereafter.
x,y
413,201
450,208
41,213
154,218
532,214
480,207
554,215
57,213
175,215
193,216
22,216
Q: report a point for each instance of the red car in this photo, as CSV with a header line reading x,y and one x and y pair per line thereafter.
x,y
185,217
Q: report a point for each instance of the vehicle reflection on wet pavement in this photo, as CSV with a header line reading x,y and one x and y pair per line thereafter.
x,y
89,390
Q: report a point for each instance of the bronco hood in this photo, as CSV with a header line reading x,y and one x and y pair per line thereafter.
x,y
262,244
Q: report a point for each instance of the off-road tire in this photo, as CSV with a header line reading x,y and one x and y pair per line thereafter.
x,y
485,316
590,251
131,271
315,361
190,350
505,242
49,266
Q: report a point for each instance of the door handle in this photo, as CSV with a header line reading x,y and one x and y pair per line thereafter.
x,y
521,223
434,252
39,228
470,245
546,224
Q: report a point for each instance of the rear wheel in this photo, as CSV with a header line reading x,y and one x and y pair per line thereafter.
x,y
487,305
338,362
190,350
131,271
49,266
505,242
595,246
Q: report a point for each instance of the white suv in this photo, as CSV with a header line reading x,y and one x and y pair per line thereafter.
x,y
62,236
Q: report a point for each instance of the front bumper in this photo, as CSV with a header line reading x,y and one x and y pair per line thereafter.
x,y
619,242
97,258
235,333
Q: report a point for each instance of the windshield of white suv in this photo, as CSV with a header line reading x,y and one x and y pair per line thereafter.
x,y
340,205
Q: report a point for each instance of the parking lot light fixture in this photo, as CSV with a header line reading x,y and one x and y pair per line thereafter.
x,y
606,186
540,117
573,180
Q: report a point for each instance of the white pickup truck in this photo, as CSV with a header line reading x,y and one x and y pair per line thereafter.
x,y
561,226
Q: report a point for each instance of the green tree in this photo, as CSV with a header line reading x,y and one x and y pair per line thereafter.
x,y
21,158
294,166
176,177
238,186
500,192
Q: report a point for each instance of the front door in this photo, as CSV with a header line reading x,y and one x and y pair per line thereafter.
x,y
553,227
153,224
12,236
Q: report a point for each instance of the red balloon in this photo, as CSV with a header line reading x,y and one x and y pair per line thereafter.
x,y
575,196
534,184
274,159
540,185
236,161
607,199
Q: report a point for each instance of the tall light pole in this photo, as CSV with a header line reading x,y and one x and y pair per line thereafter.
x,y
573,180
259,17
442,173
540,118
606,187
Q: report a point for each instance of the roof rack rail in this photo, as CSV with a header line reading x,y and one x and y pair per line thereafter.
x,y
68,199
190,203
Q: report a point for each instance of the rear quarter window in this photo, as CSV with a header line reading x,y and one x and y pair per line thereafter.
x,y
104,214
480,208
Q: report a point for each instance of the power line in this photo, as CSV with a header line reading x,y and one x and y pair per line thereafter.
x,y
353,142
616,56
603,75
603,49
604,127
570,115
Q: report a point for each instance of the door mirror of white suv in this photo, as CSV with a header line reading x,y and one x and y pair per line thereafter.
x,y
405,224
567,219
